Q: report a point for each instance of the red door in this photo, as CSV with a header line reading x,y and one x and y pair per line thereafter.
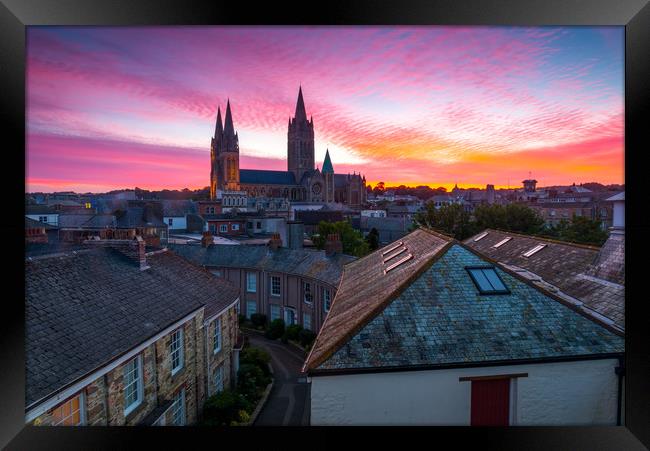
x,y
490,402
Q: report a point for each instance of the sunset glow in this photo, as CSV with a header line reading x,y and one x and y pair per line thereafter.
x,y
111,108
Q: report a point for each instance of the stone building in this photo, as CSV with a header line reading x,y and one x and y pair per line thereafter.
x,y
302,181
116,336
297,285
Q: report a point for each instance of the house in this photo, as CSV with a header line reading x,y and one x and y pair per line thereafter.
x,y
175,214
427,331
591,278
35,231
43,213
116,336
390,229
146,218
296,285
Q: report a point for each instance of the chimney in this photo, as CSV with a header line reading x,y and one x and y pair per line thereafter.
x,y
206,239
333,244
133,249
275,242
295,234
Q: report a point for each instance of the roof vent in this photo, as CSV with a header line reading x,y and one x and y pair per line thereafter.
x,y
502,242
480,237
534,250
397,263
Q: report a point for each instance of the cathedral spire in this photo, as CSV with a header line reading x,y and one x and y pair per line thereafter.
x,y
218,131
301,114
327,164
228,128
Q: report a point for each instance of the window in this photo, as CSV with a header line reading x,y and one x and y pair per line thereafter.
x,y
170,221
43,219
132,384
306,321
275,312
69,413
176,347
289,316
218,379
251,282
487,280
235,226
275,285
327,300
259,225
481,236
502,242
223,228
308,296
251,308
217,272
217,335
178,409
213,227
534,250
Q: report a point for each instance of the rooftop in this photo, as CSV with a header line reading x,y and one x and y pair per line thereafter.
x,y
302,262
86,308
427,311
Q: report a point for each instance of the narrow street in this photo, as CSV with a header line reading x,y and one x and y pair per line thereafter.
x,y
288,403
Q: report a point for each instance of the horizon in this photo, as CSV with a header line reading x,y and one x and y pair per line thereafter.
x,y
109,107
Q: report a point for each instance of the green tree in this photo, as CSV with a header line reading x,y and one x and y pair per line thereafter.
x,y
449,219
512,217
584,230
373,239
353,242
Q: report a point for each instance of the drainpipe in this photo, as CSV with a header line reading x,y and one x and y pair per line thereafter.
x,y
620,372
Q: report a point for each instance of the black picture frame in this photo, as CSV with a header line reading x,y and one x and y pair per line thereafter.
x,y
15,15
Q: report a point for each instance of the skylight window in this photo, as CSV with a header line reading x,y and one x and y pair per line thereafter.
x,y
388,251
502,242
480,237
399,262
534,250
487,280
402,250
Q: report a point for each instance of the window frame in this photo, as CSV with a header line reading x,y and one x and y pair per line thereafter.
x,y
271,306
223,228
288,310
306,289
304,323
218,375
180,349
235,227
483,292
327,300
82,410
139,388
174,409
279,293
248,310
248,282
217,337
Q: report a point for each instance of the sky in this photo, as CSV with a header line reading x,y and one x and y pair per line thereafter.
x,y
120,107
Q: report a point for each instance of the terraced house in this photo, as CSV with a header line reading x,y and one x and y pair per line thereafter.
x,y
297,285
117,336
428,331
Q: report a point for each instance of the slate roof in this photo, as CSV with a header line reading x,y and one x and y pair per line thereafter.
x,y
138,217
365,289
40,210
83,310
34,224
100,221
434,316
314,217
178,208
582,272
394,224
302,262
262,177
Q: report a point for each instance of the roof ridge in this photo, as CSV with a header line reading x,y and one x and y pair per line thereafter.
x,y
374,312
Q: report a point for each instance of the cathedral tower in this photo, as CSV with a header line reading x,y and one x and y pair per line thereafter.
x,y
328,174
300,146
224,156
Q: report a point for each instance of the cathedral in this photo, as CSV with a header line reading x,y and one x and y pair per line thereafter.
x,y
301,182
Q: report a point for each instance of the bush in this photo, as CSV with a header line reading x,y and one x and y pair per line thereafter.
x,y
224,408
258,319
251,381
276,329
256,356
242,319
293,331
306,337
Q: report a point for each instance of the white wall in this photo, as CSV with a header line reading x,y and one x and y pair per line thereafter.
x,y
619,214
178,222
567,393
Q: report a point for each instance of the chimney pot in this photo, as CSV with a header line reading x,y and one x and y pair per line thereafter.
x,y
333,244
206,239
275,242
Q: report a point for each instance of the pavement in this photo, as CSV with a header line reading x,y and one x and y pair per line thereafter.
x,y
288,402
